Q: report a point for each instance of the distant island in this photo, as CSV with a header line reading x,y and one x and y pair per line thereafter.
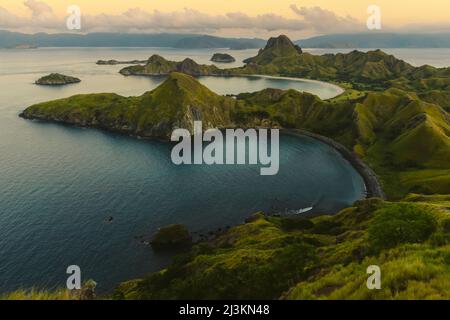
x,y
377,40
25,46
173,40
115,62
223,58
56,79
157,66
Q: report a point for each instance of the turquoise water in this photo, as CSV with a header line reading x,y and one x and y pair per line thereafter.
x,y
59,184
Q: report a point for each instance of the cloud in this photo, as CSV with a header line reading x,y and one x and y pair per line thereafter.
x,y
42,18
325,21
188,20
39,9
307,21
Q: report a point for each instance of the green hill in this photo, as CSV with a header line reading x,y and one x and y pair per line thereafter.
x,y
275,48
404,138
373,70
174,104
157,65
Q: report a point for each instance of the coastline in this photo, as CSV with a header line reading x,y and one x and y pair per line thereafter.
x,y
371,180
324,83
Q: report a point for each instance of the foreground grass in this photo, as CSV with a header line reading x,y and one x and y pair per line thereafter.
x,y
36,294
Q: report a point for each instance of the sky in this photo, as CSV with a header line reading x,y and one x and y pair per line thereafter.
x,y
246,18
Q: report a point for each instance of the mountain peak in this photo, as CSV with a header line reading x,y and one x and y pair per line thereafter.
x,y
276,47
177,82
282,41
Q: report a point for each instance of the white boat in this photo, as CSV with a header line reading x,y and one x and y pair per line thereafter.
x,y
300,211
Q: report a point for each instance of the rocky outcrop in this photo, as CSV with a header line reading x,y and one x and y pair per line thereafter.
x,y
56,79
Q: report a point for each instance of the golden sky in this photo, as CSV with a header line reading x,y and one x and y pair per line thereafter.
x,y
394,11
249,17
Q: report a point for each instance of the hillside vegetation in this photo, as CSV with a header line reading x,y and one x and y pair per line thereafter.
x,y
174,104
157,65
323,257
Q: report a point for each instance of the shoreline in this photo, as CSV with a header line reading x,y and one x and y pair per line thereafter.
x,y
327,84
371,180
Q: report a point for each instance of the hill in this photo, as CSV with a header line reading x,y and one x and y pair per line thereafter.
x,y
378,40
373,70
174,104
157,65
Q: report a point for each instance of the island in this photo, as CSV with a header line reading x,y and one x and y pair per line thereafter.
x,y
115,62
157,66
223,58
25,46
56,79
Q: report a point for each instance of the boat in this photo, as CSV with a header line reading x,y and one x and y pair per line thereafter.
x,y
300,211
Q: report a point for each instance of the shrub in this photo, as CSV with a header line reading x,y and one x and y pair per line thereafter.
x,y
400,223
446,225
439,239
289,224
172,237
328,227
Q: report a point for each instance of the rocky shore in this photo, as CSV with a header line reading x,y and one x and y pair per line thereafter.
x,y
373,185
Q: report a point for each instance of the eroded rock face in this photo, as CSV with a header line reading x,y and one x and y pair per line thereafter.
x,y
56,79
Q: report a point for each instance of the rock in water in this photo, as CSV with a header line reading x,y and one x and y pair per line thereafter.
x,y
223,57
175,236
56,79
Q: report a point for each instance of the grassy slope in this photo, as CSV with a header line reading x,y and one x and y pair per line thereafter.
x,y
404,138
325,257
